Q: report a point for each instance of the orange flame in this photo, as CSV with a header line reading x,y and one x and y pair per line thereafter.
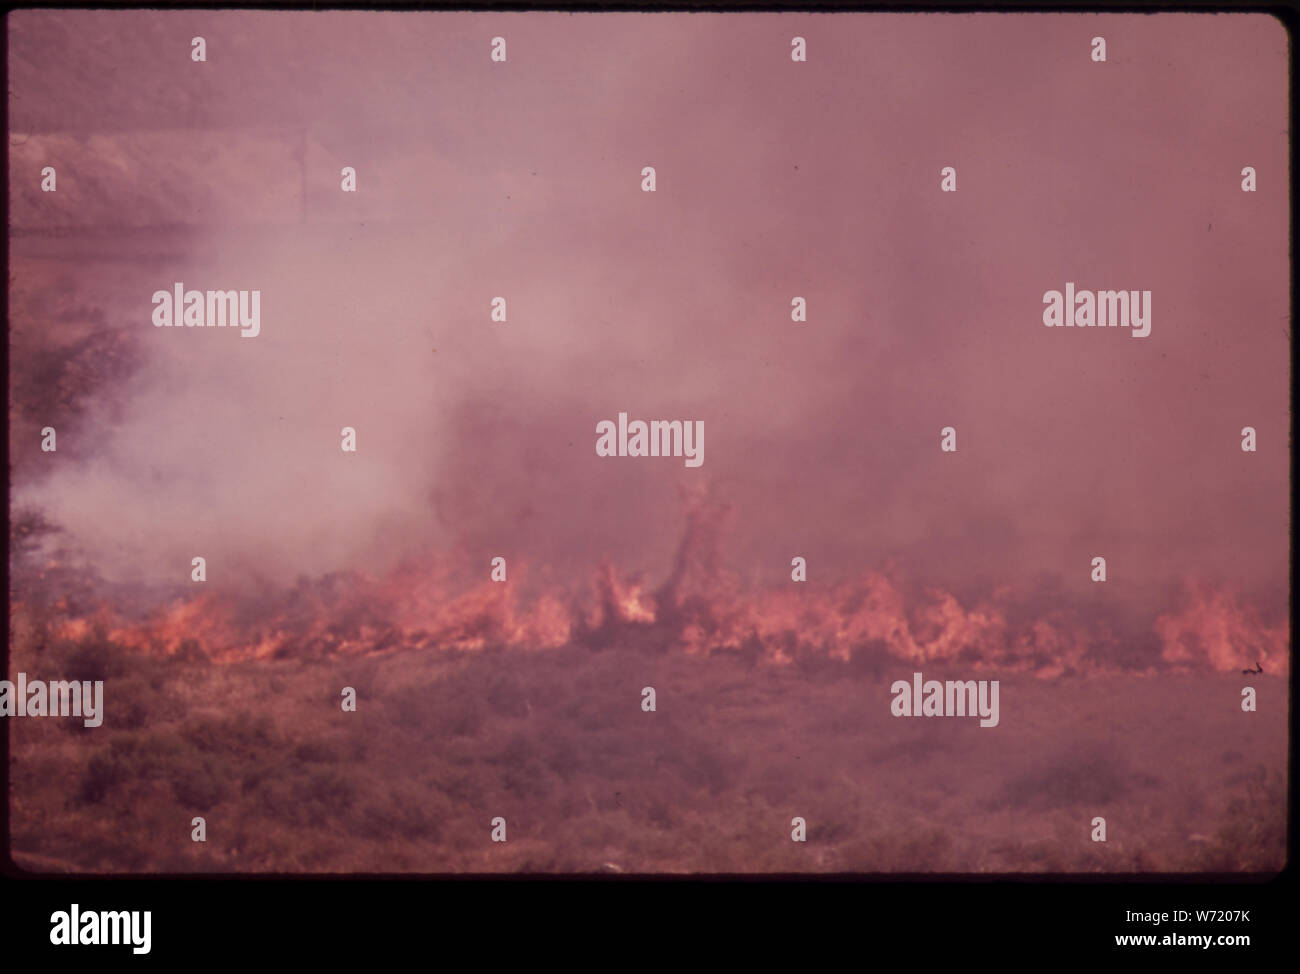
x,y
1213,627
699,609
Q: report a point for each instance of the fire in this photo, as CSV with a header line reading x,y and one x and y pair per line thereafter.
x,y
698,609
1214,627
624,601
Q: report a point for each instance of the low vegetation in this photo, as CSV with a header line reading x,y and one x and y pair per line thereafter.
x,y
556,743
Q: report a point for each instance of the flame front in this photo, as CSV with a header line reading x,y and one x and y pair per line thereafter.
x,y
854,619
698,609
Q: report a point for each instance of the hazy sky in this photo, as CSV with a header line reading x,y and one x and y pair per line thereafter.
x,y
774,179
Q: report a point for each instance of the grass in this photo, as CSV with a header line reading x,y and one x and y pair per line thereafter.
x,y
556,742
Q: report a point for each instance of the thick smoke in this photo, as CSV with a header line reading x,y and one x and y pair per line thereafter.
x,y
476,438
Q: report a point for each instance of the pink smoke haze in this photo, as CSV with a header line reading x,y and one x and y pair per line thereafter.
x,y
775,179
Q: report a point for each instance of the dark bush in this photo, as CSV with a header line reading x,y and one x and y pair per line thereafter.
x,y
316,752
198,786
